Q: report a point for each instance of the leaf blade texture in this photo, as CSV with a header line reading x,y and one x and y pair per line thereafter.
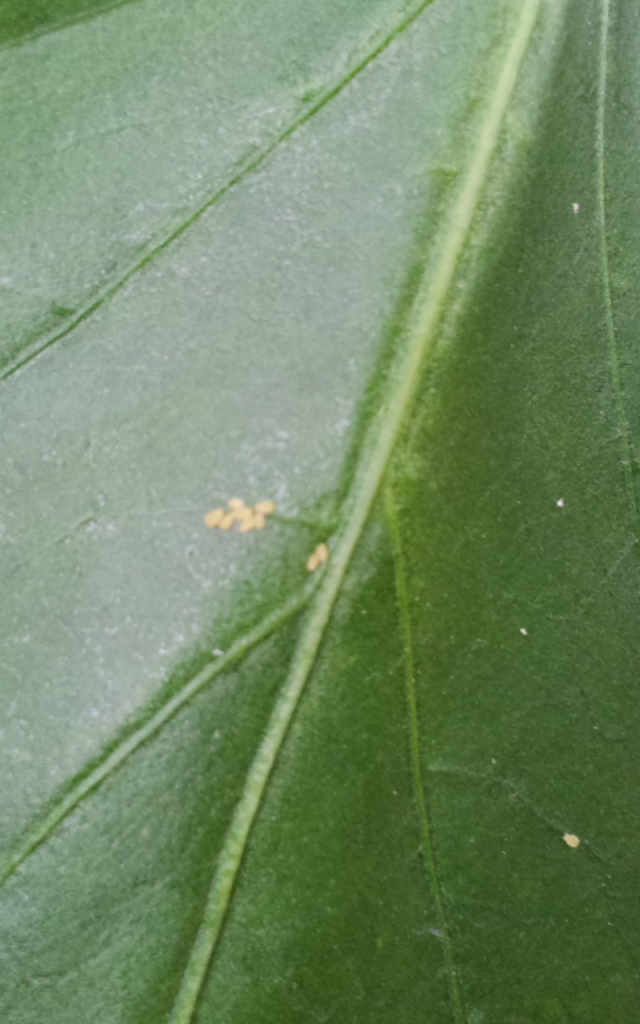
x,y
381,276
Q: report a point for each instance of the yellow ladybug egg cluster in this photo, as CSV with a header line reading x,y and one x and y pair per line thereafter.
x,y
317,557
238,512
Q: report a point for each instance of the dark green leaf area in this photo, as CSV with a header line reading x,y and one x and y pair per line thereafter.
x,y
20,18
112,901
531,735
333,918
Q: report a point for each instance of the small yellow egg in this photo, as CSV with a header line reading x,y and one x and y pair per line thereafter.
x,y
258,521
317,557
322,553
235,503
265,507
241,514
226,522
248,523
213,518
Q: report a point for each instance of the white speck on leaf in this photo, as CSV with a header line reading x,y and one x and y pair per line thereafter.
x,y
571,840
560,502
523,631
575,207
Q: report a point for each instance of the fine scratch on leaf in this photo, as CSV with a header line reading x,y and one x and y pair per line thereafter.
x,y
606,285
512,790
414,746
42,830
248,166
378,445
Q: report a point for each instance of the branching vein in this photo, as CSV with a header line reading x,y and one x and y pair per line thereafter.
x,y
43,829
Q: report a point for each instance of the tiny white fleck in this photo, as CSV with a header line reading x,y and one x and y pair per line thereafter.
x,y
560,502
523,631
218,651
575,207
95,713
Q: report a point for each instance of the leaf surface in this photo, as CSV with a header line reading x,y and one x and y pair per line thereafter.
x,y
375,264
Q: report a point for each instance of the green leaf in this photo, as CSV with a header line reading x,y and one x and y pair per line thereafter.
x,y
374,263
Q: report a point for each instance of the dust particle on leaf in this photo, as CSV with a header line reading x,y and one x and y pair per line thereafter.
x,y
571,840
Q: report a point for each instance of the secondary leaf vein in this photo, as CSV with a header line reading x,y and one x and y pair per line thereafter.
x,y
246,167
415,754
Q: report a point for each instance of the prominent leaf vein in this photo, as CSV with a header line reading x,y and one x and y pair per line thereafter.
x,y
621,413
246,167
378,444
415,753
86,785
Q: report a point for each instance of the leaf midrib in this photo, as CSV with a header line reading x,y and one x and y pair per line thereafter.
x,y
618,393
378,445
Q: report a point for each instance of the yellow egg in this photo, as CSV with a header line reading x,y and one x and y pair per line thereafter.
x,y
317,557
213,518
265,507
241,514
322,553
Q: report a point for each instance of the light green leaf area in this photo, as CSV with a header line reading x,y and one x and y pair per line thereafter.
x,y
377,263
